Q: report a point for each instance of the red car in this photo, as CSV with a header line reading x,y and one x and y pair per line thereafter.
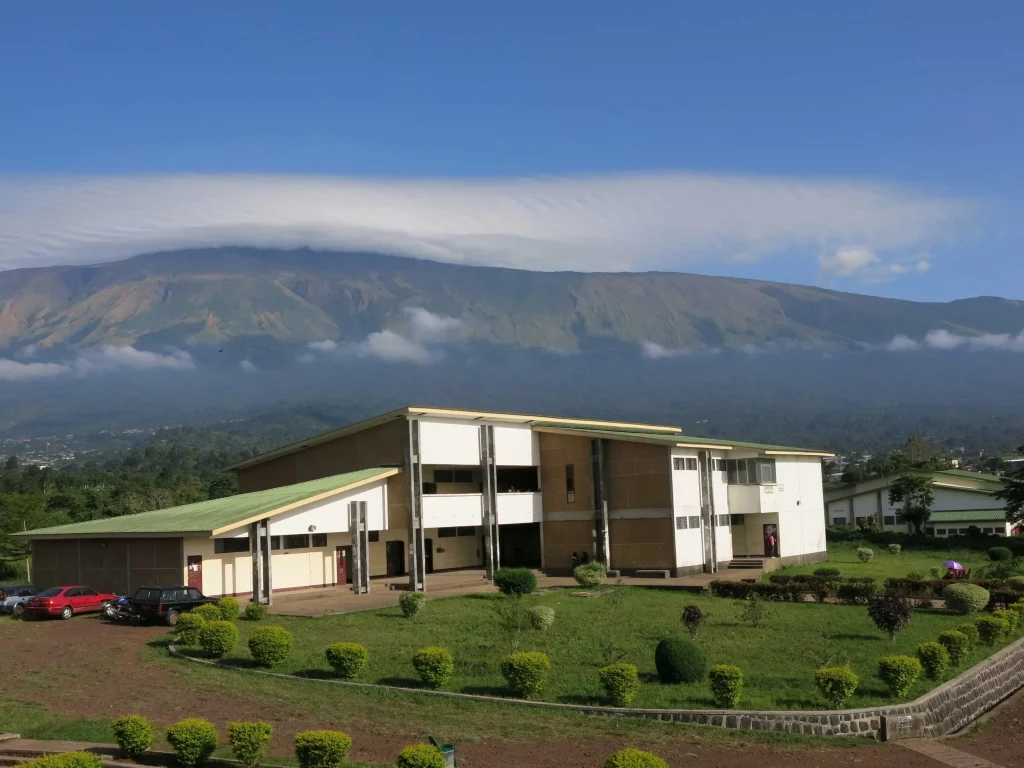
x,y
66,602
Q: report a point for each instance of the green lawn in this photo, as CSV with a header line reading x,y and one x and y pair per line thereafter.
x,y
778,659
843,555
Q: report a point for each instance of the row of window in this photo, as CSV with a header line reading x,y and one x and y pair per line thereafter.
x,y
958,531
693,521
894,520
736,471
291,543
451,533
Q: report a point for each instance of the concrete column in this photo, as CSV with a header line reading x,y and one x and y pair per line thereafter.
x,y
360,547
414,469
257,569
489,473
707,513
268,566
602,536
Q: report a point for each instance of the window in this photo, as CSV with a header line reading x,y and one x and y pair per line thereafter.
x,y
453,475
750,471
723,520
988,530
718,465
223,546
680,523
319,540
766,471
86,592
447,533
684,462
429,489
517,479
839,521
736,519
373,536
695,521
678,463
570,483
889,520
940,531
275,542
297,541
465,530
691,463
193,593
901,520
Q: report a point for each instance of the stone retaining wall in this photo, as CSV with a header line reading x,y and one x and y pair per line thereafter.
x,y
943,710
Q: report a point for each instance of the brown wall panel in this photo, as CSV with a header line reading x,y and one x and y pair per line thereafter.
x,y
562,538
269,474
557,451
642,543
638,475
103,564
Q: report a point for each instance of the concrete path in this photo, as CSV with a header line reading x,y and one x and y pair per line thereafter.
x,y
941,752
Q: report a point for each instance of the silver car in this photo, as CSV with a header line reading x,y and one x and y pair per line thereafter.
x,y
14,596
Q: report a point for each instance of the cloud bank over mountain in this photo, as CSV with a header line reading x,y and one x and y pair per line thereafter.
x,y
627,222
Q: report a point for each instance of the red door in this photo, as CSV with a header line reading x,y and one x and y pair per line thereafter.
x,y
343,564
195,571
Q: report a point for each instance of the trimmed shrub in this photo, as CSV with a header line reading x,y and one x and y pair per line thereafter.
x,y
526,672
934,659
270,646
726,685
189,629
1010,617
693,617
542,617
916,575
420,756
890,614
1016,582
680,660
634,758
209,612
218,637
828,572
230,610
515,581
999,554
621,683
858,593
836,684
133,733
193,741
347,659
67,760
957,645
249,742
255,612
894,549
411,603
589,575
970,632
991,629
322,749
435,666
965,598
865,554
899,673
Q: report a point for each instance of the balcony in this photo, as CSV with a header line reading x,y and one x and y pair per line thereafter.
x,y
753,499
519,508
446,510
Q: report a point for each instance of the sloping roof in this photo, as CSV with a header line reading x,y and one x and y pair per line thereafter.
x,y
447,413
675,439
217,514
946,479
984,476
967,516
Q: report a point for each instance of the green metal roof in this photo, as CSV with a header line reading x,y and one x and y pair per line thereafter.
x,y
985,476
967,515
673,439
207,516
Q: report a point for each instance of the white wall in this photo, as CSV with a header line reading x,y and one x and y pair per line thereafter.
x,y
443,510
516,445
449,443
866,505
520,508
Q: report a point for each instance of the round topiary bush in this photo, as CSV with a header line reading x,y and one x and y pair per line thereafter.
x,y
420,756
590,575
621,683
542,617
991,629
515,581
347,659
255,612
270,646
917,575
218,637
999,554
249,742
726,685
526,672
209,612
894,549
680,660
970,632
193,741
230,610
133,733
965,598
634,758
1010,617
189,629
865,554
322,749
66,760
957,645
435,666
411,603
828,572
836,684
934,658
899,673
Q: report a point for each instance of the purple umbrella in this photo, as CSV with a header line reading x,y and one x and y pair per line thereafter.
x,y
953,565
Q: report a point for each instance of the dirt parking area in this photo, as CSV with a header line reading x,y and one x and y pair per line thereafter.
x,y
87,667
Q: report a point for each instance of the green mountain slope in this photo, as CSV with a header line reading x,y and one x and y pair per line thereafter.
x,y
226,294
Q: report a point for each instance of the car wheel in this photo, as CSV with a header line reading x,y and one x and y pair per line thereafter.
x,y
171,618
67,613
18,610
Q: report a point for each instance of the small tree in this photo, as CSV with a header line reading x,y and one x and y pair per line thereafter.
x,y
890,614
1012,493
754,610
694,618
914,495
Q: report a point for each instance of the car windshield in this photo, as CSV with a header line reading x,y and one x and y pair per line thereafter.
x,y
147,593
51,592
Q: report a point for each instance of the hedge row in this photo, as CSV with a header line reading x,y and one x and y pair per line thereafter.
x,y
851,593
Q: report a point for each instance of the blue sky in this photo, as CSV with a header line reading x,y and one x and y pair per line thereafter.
x,y
921,96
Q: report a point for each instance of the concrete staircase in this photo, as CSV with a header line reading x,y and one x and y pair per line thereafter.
x,y
747,563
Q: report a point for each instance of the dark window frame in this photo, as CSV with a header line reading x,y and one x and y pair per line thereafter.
x,y
570,484
290,545
318,540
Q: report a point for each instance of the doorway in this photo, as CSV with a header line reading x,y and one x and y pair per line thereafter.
x,y
771,540
394,554
520,545
428,555
344,563
195,571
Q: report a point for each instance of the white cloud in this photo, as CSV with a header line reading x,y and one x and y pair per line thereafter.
x,y
422,341
941,339
591,223
12,370
392,348
94,360
28,351
866,266
654,351
901,343
323,346
427,327
847,261
248,366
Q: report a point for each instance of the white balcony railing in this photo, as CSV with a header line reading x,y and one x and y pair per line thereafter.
x,y
445,510
519,508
